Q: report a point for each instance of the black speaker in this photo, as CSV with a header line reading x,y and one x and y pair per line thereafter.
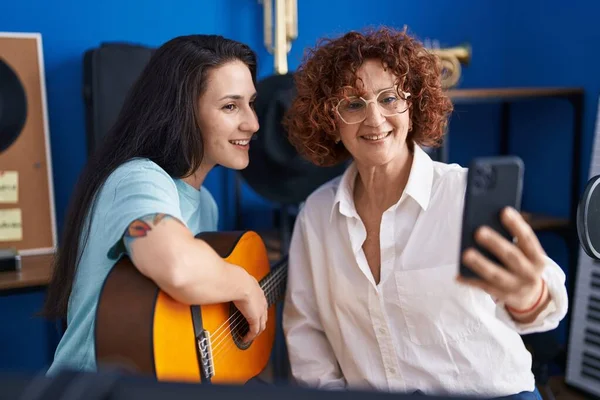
x,y
70,385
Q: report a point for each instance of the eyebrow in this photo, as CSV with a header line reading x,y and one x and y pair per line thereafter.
x,y
356,92
382,89
236,97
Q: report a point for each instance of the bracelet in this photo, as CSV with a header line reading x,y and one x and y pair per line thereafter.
x,y
534,306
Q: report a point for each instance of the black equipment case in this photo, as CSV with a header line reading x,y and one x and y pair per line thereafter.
x,y
109,71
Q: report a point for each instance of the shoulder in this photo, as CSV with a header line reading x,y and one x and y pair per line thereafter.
x,y
324,195
449,183
138,184
138,168
318,205
137,188
449,174
140,176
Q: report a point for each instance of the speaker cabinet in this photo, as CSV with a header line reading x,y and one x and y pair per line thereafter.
x,y
27,212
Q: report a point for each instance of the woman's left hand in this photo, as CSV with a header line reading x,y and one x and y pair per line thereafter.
x,y
518,283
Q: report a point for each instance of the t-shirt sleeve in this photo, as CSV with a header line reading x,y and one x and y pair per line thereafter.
x,y
144,189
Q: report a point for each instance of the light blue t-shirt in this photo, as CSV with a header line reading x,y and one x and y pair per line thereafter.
x,y
136,188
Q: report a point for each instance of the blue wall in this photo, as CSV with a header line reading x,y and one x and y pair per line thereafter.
x,y
70,28
538,49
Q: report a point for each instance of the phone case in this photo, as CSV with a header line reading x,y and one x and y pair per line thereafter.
x,y
493,183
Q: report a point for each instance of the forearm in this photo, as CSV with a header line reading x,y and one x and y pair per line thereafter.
x,y
189,270
553,305
202,277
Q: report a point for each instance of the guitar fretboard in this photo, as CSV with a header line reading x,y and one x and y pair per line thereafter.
x,y
274,283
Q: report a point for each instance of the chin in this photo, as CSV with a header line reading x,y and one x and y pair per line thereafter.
x,y
236,164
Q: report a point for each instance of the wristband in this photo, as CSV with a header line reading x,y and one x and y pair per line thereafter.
x,y
534,306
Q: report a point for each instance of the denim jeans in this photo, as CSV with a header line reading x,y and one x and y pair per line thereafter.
x,y
535,395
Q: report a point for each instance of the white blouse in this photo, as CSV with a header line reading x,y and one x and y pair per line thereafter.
x,y
418,329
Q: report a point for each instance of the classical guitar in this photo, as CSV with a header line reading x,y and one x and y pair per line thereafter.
x,y
140,327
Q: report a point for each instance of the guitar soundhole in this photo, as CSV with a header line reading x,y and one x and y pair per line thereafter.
x,y
239,328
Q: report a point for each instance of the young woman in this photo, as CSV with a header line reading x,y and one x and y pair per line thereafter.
x,y
141,194
373,300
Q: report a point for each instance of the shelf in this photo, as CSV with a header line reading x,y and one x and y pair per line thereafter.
x,y
543,223
35,271
506,94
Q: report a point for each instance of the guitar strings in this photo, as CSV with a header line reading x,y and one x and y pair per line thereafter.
x,y
222,351
238,318
271,281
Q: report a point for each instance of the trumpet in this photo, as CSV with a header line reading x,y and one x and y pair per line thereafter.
x,y
452,60
285,27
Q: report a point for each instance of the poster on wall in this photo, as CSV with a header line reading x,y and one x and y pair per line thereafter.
x,y
27,211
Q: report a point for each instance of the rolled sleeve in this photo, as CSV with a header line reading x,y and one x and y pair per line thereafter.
x,y
556,310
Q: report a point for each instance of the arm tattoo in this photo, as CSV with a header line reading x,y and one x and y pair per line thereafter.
x,y
137,229
141,226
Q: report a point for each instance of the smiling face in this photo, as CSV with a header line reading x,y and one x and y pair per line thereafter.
x,y
378,139
226,116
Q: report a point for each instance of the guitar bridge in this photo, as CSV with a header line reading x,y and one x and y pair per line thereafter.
x,y
205,351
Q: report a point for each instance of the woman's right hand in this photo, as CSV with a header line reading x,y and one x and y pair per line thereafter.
x,y
254,308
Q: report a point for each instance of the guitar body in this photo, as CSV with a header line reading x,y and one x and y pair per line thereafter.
x,y
140,327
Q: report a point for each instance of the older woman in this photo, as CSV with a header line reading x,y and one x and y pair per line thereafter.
x,y
373,297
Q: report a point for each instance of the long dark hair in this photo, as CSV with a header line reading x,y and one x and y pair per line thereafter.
x,y
158,122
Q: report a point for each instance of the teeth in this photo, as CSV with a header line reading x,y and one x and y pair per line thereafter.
x,y
375,137
240,142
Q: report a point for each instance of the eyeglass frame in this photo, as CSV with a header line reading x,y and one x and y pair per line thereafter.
x,y
373,100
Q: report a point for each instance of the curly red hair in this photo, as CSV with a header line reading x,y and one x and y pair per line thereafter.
x,y
332,65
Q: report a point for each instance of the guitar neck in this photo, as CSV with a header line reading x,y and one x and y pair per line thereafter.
x,y
274,283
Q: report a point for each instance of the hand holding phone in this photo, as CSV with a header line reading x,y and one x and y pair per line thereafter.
x,y
499,252
493,183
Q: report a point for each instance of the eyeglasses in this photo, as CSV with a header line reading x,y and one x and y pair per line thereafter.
x,y
353,110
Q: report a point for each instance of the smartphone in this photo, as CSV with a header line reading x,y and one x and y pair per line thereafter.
x,y
493,183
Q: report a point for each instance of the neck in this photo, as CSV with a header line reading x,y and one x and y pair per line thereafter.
x,y
379,187
197,178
